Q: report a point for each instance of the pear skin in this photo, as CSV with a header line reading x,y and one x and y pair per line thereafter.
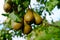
x,y
37,18
16,25
7,7
27,29
28,17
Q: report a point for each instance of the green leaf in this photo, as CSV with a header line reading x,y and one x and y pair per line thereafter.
x,y
19,8
5,15
15,17
18,1
26,4
51,4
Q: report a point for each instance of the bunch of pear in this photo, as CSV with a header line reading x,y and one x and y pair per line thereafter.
x,y
29,18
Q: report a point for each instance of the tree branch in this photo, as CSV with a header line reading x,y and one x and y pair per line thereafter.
x,y
54,25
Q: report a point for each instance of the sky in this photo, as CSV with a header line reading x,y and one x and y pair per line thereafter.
x,y
55,17
1,11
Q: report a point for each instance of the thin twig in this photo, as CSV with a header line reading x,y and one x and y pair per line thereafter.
x,y
54,25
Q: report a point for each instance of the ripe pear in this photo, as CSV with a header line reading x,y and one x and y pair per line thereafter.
x,y
16,26
37,17
7,7
28,17
27,29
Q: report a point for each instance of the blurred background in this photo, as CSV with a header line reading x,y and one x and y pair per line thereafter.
x,y
55,16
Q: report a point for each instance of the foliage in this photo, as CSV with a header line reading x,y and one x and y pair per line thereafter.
x,y
43,31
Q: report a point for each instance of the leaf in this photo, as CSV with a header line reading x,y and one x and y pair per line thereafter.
x,y
5,15
15,17
48,11
26,4
51,4
18,2
19,8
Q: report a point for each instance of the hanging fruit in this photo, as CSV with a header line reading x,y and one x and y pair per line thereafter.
x,y
37,18
28,17
7,7
16,25
27,29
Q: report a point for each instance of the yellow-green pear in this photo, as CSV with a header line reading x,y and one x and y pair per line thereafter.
x,y
28,17
37,18
16,25
27,29
7,7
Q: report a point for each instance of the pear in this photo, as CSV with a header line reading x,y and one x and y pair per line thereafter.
x,y
7,7
28,17
27,29
37,18
16,25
